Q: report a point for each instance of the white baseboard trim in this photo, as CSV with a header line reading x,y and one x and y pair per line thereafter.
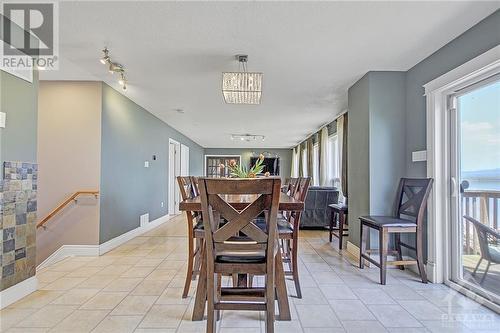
x,y
18,291
352,250
69,251
97,250
123,238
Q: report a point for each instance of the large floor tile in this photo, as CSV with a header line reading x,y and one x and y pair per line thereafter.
x,y
48,316
118,324
134,305
317,316
393,316
351,310
163,316
104,301
360,326
80,321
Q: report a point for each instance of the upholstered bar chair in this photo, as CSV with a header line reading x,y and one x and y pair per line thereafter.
x,y
408,217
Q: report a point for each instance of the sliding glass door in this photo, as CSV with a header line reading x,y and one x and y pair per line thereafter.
x,y
475,176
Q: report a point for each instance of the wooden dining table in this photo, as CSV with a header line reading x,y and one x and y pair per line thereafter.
x,y
240,202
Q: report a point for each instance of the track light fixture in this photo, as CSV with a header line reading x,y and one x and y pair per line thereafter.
x,y
114,67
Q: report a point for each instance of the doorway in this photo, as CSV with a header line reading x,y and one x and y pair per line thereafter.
x,y
174,170
475,195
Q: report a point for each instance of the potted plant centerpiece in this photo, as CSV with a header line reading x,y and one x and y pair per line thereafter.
x,y
241,171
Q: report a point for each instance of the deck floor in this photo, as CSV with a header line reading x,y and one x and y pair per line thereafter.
x,y
492,280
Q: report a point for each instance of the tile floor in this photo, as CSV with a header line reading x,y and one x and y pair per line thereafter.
x,y
137,288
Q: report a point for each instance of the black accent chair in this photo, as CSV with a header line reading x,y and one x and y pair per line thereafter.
x,y
408,217
489,245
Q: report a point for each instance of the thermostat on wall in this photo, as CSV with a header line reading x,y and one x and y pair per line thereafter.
x,y
3,116
419,156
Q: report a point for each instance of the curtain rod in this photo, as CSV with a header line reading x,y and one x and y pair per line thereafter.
x,y
323,126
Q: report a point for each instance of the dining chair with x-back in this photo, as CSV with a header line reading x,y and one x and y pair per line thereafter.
x,y
240,246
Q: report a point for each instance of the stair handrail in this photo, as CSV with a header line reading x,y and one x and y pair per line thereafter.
x,y
42,222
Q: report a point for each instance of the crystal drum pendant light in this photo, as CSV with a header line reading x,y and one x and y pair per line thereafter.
x,y
242,87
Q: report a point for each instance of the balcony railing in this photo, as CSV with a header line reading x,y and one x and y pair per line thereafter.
x,y
483,206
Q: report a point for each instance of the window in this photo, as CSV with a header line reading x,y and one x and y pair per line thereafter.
x,y
315,171
212,165
333,173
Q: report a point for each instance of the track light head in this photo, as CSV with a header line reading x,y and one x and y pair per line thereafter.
x,y
105,59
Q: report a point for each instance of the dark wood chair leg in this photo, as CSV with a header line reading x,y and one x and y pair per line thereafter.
x,y
362,246
270,299
383,247
477,266
197,258
295,267
211,290
189,275
341,229
420,257
201,290
331,226
398,249
281,294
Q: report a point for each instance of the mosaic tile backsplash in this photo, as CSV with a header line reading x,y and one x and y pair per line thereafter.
x,y
18,207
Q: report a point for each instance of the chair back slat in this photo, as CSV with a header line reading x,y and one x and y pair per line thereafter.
x,y
239,234
186,187
411,199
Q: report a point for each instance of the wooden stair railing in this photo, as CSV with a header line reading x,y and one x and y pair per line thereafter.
x,y
62,205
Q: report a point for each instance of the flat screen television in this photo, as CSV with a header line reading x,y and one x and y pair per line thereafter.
x,y
271,164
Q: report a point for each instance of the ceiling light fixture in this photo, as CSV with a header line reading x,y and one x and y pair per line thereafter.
x,y
242,87
247,137
114,67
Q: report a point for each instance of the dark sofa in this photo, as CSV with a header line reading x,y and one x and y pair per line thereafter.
x,y
316,213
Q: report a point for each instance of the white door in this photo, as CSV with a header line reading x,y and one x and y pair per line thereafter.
x,y
475,178
184,160
174,167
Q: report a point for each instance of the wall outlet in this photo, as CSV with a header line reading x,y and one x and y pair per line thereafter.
x,y
162,204
144,219
146,164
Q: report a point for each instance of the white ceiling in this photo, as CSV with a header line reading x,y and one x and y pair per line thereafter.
x,y
310,54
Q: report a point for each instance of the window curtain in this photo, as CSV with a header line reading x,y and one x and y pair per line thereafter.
x,y
294,159
342,154
324,157
310,158
340,140
301,166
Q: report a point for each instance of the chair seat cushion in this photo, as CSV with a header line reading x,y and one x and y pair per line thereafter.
x,y
387,221
256,258
495,253
283,225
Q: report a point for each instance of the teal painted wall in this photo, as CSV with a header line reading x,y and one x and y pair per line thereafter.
x,y
480,38
284,154
131,135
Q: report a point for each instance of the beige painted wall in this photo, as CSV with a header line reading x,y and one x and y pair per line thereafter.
x,y
69,152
